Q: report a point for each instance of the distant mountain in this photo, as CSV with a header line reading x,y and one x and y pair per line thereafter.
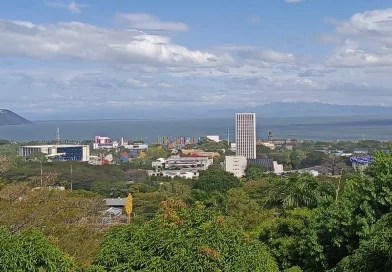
x,y
8,117
304,109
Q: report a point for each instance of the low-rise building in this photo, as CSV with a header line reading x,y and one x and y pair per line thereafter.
x,y
183,163
286,143
266,144
58,152
200,153
214,138
104,143
116,202
233,147
236,165
361,163
199,163
175,173
269,164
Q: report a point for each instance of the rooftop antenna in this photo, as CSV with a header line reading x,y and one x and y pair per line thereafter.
x,y
58,136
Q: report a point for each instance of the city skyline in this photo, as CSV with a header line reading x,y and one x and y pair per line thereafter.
x,y
76,57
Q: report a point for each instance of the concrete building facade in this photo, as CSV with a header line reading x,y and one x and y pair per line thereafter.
x,y
236,165
58,152
245,134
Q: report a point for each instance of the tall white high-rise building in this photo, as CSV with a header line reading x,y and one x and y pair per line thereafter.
x,y
245,134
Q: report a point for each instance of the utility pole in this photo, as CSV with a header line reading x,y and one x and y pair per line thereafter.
x,y
41,174
71,177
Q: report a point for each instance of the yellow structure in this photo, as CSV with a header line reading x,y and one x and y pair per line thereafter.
x,y
128,207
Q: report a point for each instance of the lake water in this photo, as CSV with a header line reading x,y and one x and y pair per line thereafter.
x,y
325,129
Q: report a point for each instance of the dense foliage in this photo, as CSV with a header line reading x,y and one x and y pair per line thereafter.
x,y
31,251
263,222
182,239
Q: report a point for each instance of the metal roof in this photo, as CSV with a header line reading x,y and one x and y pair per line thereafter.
x,y
115,201
267,163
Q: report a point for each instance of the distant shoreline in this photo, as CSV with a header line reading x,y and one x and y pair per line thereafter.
x,y
209,118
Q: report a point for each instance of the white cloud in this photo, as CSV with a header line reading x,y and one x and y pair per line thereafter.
x,y
145,21
72,6
293,1
78,41
137,84
371,22
372,31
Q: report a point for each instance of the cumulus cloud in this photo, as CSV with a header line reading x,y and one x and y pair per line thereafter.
x,y
146,21
368,40
376,22
78,41
350,55
72,6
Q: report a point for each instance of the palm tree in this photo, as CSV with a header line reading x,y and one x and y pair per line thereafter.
x,y
298,191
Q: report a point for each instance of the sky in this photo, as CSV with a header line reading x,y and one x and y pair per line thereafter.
x,y
83,58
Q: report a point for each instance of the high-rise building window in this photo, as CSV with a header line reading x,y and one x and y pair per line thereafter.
x,y
246,135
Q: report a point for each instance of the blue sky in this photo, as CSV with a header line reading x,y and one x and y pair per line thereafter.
x,y
60,57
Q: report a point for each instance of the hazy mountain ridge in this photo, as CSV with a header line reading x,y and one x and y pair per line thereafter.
x,y
305,109
8,117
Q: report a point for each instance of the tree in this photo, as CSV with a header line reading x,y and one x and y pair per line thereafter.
x,y
31,251
375,251
296,158
5,164
299,191
314,158
4,142
334,164
262,151
175,190
71,220
216,179
243,212
182,239
293,240
365,200
255,172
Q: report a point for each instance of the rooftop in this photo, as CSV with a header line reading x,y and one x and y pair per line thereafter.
x,y
115,201
49,146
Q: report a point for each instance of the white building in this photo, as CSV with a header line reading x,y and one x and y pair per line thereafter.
x,y
236,165
245,134
214,138
58,152
104,143
278,168
197,163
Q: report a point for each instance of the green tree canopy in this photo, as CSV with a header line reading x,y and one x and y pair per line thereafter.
x,y
31,251
299,191
216,179
255,172
375,251
293,240
182,239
